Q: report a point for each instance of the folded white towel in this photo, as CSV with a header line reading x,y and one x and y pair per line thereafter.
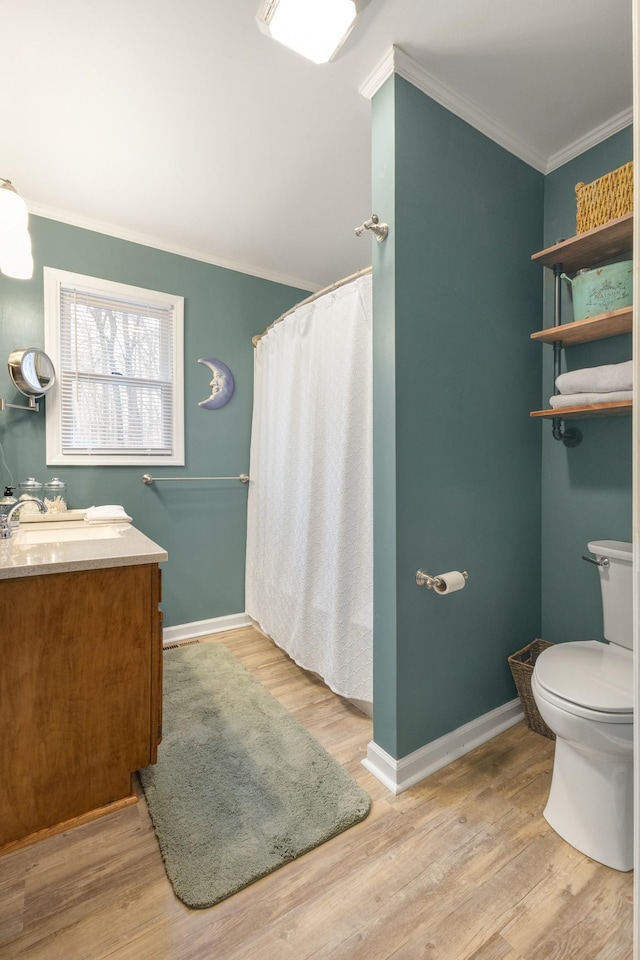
x,y
109,513
604,379
585,399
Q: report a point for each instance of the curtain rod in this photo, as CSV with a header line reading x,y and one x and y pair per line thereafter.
x,y
314,296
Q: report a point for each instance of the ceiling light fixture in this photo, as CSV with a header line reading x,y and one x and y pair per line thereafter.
x,y
15,243
315,28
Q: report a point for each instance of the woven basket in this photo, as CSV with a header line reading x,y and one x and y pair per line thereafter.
x,y
522,663
605,199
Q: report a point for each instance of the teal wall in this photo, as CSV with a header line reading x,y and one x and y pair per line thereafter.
x,y
202,526
456,457
586,491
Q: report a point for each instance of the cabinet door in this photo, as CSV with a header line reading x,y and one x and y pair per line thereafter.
x,y
76,654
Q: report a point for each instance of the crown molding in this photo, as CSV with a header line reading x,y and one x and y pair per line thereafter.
x,y
396,61
379,74
591,139
118,233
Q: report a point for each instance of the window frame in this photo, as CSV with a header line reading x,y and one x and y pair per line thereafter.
x,y
54,281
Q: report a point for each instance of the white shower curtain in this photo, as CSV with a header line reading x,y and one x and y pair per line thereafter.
x,y
309,572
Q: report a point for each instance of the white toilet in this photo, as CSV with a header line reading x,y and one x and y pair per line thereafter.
x,y
584,692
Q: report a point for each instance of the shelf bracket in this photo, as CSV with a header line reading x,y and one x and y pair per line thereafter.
x,y
572,436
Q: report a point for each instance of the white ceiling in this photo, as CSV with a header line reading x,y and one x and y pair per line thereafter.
x,y
178,123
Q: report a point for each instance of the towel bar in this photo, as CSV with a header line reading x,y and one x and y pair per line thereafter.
x,y
243,478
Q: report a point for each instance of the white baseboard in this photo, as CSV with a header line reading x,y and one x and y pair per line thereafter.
x,y
200,628
399,775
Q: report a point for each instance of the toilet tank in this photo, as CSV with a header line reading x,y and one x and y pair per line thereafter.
x,y
616,584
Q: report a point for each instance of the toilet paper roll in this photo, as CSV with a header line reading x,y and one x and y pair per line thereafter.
x,y
449,582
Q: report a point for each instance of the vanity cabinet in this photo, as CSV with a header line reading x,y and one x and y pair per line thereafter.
x,y
80,694
586,250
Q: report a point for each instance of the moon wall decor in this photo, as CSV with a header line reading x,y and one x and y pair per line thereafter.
x,y
222,384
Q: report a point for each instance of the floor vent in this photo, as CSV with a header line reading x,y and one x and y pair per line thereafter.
x,y
180,643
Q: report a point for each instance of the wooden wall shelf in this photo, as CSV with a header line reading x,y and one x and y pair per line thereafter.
x,y
611,324
594,246
619,408
582,251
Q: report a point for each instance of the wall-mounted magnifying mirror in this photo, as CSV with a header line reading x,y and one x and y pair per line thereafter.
x,y
32,371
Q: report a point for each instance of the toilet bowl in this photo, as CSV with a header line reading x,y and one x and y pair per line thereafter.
x,y
584,692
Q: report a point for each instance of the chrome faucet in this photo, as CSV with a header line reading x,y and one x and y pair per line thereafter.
x,y
5,521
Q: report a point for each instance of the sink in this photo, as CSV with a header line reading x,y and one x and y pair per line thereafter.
x,y
63,533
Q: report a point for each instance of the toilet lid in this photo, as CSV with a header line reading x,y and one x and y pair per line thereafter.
x,y
592,674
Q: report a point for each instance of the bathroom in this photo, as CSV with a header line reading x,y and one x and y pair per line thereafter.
x,y
475,485
518,519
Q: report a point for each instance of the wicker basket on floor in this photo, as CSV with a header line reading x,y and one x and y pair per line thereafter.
x,y
522,663
605,199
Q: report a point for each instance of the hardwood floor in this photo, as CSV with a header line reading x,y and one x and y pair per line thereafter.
x,y
460,867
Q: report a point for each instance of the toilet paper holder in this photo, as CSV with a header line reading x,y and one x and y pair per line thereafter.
x,y
423,579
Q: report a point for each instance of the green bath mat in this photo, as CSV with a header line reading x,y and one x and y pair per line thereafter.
x,y
240,788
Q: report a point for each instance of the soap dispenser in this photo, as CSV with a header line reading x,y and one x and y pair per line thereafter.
x,y
6,502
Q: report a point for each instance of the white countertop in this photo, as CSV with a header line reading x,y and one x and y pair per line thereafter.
x,y
67,545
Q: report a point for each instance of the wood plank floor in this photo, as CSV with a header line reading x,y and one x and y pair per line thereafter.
x,y
459,867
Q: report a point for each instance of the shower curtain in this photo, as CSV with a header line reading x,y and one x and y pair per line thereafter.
x,y
309,569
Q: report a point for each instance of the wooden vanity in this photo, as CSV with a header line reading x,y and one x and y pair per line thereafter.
x,y
80,677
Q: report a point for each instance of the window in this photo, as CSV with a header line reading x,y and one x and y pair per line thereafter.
x,y
117,351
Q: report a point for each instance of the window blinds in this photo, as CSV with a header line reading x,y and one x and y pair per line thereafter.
x,y
115,374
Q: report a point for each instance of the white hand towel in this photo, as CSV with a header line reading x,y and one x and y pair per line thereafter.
x,y
585,399
604,379
109,513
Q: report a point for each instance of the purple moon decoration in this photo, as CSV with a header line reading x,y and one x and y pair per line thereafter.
x,y
222,384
